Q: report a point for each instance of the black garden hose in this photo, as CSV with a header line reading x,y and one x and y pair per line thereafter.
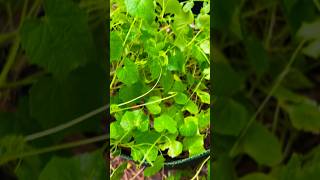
x,y
178,163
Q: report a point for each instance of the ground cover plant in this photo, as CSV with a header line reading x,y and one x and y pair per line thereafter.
x,y
266,113
53,70
159,82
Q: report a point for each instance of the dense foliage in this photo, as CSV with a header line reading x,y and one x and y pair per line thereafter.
x,y
53,70
160,74
266,76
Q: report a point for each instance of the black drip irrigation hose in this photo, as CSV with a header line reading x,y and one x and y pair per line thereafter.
x,y
178,163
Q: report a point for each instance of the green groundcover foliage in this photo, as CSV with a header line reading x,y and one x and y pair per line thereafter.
x,y
53,71
266,116
160,77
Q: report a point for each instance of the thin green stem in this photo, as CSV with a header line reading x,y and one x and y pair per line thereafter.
x,y
131,26
144,104
265,101
65,125
23,14
56,148
275,119
114,76
149,150
257,10
289,144
10,17
7,36
34,8
122,104
194,38
10,61
271,27
199,169
14,49
204,55
27,81
317,4
163,8
197,87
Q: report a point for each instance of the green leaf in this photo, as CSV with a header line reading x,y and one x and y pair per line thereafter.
x,y
140,8
54,102
118,173
295,79
226,81
154,108
205,46
157,166
18,122
190,126
206,73
182,20
154,68
194,145
130,92
129,73
204,96
223,168
231,117
224,11
307,10
291,169
11,146
175,148
257,176
135,119
310,31
191,107
177,62
196,53
171,6
149,137
127,121
203,120
181,98
188,6
84,166
262,145
61,42
206,8
166,80
283,94
179,86
116,131
165,122
257,56
30,167
313,49
304,116
147,152
203,22
116,47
